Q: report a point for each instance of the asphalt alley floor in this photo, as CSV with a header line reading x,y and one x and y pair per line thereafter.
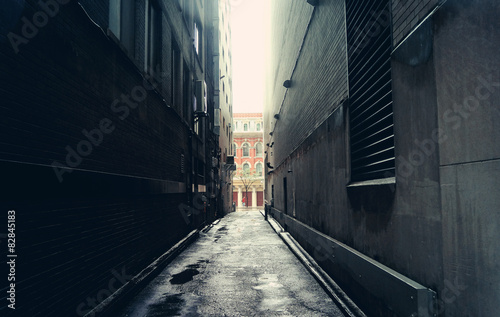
x,y
239,268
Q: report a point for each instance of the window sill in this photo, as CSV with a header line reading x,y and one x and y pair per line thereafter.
x,y
390,181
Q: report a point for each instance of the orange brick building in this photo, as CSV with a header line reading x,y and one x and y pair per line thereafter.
x,y
248,150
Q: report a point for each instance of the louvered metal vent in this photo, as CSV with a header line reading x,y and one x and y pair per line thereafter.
x,y
370,92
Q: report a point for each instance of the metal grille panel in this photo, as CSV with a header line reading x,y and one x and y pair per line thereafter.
x,y
370,90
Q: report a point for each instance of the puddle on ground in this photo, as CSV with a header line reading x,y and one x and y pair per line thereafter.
x,y
201,263
184,276
169,305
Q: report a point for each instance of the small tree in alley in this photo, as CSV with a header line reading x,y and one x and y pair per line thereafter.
x,y
248,178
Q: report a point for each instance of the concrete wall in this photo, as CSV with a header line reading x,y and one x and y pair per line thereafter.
x,y
468,85
435,225
318,81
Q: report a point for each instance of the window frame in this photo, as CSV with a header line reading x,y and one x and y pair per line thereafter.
x,y
257,154
243,167
121,23
153,37
257,172
243,147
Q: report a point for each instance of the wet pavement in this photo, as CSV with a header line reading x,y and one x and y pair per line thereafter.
x,y
238,268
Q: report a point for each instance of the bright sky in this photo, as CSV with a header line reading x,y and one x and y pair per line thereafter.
x,y
248,27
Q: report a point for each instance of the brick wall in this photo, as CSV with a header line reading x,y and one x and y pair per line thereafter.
x,y
118,209
252,159
98,11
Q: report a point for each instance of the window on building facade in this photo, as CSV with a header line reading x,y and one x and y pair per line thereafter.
x,y
246,168
176,77
258,149
186,88
153,38
370,92
246,150
122,23
258,127
198,39
234,149
258,169
245,127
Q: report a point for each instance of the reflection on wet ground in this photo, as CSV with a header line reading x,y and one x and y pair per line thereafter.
x,y
238,268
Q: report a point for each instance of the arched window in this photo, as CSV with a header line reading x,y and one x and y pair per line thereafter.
x,y
258,126
246,168
258,149
234,149
258,169
246,149
245,127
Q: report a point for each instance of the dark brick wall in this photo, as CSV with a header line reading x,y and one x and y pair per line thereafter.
x,y
98,11
70,249
72,88
119,207
407,14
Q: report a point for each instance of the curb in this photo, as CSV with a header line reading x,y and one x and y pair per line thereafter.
x,y
263,215
112,304
348,307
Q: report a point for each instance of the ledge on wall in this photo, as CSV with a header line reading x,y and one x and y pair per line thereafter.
x,y
372,195
376,288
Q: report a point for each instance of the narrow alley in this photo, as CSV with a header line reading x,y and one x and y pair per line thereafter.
x,y
142,140
240,267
